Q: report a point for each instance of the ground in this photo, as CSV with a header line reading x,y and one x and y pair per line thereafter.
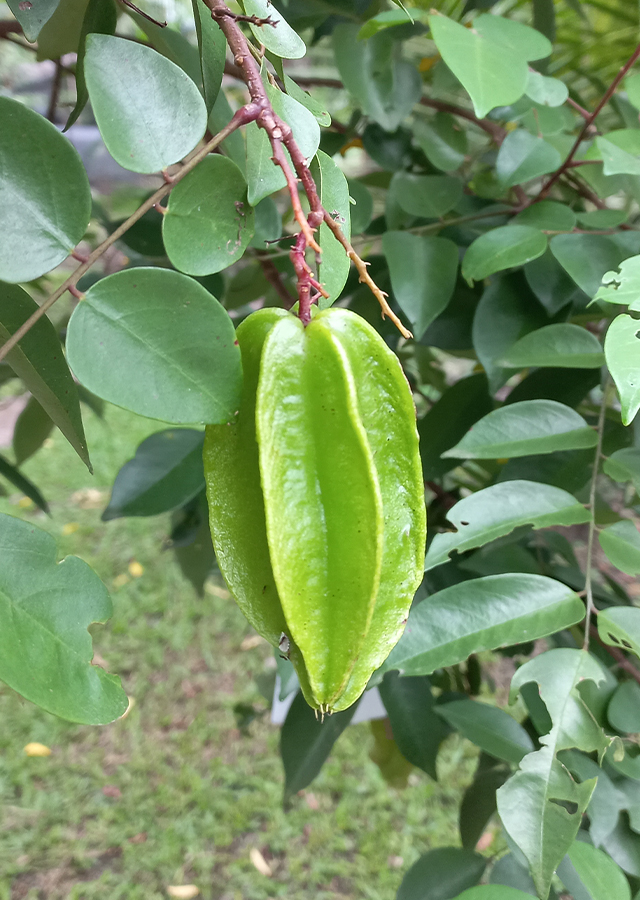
x,y
177,793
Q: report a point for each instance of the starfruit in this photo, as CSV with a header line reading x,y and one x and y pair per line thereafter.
x,y
316,497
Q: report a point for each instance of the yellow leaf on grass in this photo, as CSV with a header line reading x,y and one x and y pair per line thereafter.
x,y
70,528
36,749
135,569
183,891
260,862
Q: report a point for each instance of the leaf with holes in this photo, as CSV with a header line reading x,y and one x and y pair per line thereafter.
x,y
45,610
498,510
620,627
541,806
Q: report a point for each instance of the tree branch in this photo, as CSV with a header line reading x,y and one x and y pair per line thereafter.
x,y
608,94
242,117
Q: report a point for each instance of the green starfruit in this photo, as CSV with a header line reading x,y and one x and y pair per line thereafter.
x,y
316,497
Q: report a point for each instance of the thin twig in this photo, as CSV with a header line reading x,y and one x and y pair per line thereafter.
x,y
55,92
274,278
143,14
608,94
242,117
588,587
220,13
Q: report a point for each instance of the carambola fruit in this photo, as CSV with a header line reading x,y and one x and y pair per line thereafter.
x,y
316,497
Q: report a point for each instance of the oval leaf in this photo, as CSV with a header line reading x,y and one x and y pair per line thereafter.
x,y
622,351
441,873
279,37
522,156
482,614
38,359
334,195
561,345
166,347
165,473
502,248
208,223
620,627
44,194
621,543
153,126
520,429
497,510
593,871
45,610
488,727
429,196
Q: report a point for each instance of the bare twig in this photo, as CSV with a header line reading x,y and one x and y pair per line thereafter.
x,y
608,94
220,13
55,92
592,509
143,14
242,117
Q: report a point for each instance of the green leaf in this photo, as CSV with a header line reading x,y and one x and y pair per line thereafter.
x,y
619,152
493,892
44,194
334,195
442,140
622,288
587,257
561,345
33,426
602,218
497,510
551,284
588,869
263,176
520,429
430,196
547,215
623,711
507,310
280,38
165,473
621,543
606,801
541,807
441,874
45,610
18,480
416,728
385,86
209,223
448,420
423,271
167,348
389,19
489,727
502,248
546,91
212,47
620,627
171,44
101,18
191,542
509,871
39,361
489,60
32,16
311,103
622,352
481,614
157,124
362,208
306,742
624,465
522,157
61,34
479,802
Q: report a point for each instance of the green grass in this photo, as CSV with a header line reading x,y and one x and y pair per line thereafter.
x,y
176,793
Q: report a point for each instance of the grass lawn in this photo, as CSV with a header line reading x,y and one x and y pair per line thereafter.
x,y
176,793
